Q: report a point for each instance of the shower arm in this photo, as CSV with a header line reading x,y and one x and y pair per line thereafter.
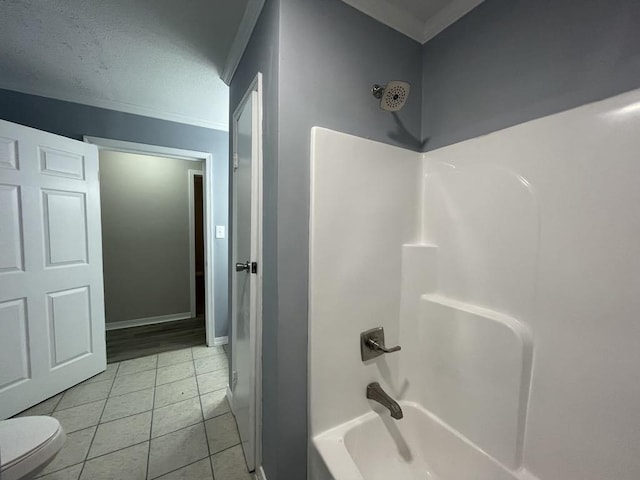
x,y
378,91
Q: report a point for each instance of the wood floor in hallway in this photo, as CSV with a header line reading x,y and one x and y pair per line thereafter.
x,y
135,342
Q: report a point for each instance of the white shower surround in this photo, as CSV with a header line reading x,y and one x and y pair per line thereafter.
x,y
508,268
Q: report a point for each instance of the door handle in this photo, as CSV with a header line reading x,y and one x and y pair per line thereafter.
x,y
243,267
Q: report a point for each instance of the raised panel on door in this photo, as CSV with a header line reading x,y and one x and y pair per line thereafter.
x,y
51,288
61,164
8,153
65,227
14,349
69,313
11,254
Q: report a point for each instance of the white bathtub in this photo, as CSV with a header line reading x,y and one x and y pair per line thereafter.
x,y
417,447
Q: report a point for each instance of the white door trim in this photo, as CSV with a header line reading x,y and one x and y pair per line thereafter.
x,y
209,227
191,174
257,186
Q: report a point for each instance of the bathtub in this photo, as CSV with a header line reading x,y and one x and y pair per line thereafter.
x,y
418,447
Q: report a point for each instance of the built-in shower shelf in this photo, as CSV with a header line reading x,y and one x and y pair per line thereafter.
x,y
476,366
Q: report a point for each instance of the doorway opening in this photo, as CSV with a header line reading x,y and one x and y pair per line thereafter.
x,y
158,287
196,215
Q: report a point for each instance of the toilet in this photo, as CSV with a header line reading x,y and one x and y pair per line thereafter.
x,y
27,445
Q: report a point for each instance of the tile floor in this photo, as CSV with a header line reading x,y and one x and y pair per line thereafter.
x,y
162,416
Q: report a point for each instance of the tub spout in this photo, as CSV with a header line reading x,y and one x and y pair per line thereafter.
x,y
377,394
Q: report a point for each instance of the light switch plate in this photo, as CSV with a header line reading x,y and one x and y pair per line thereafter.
x,y
220,231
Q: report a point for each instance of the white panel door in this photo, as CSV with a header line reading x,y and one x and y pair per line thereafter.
x,y
244,288
51,294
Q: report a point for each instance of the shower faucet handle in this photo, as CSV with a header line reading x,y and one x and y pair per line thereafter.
x,y
372,344
375,345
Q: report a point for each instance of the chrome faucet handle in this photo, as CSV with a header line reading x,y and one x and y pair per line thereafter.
x,y
376,346
372,344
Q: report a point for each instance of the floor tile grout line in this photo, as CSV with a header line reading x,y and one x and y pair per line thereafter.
x,y
99,399
178,429
58,471
134,391
212,371
100,422
206,434
204,421
226,448
138,371
176,363
109,396
165,434
125,416
158,368
83,403
76,406
218,415
97,456
128,446
180,468
97,426
57,403
146,473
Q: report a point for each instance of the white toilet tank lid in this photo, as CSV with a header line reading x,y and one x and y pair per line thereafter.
x,y
20,437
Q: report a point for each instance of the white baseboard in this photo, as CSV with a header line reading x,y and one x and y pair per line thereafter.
x,y
220,341
138,322
260,475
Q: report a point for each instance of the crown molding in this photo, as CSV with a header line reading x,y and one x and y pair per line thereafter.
x,y
447,16
392,16
120,107
241,40
399,19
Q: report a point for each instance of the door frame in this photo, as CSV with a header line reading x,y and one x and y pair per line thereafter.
x,y
209,224
191,175
256,229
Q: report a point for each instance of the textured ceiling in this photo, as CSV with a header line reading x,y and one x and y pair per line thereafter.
x,y
160,58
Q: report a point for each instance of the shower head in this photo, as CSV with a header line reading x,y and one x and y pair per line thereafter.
x,y
392,96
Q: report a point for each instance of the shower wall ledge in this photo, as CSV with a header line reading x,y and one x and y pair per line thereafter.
x,y
475,373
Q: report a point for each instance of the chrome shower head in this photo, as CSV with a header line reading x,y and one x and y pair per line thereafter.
x,y
392,96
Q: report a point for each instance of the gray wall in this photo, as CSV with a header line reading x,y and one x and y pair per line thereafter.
x,y
327,64
330,54
510,61
144,203
74,120
262,55
506,62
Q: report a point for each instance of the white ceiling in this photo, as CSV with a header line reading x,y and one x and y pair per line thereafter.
x,y
419,19
160,58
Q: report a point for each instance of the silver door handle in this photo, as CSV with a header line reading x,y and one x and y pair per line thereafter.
x,y
243,267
